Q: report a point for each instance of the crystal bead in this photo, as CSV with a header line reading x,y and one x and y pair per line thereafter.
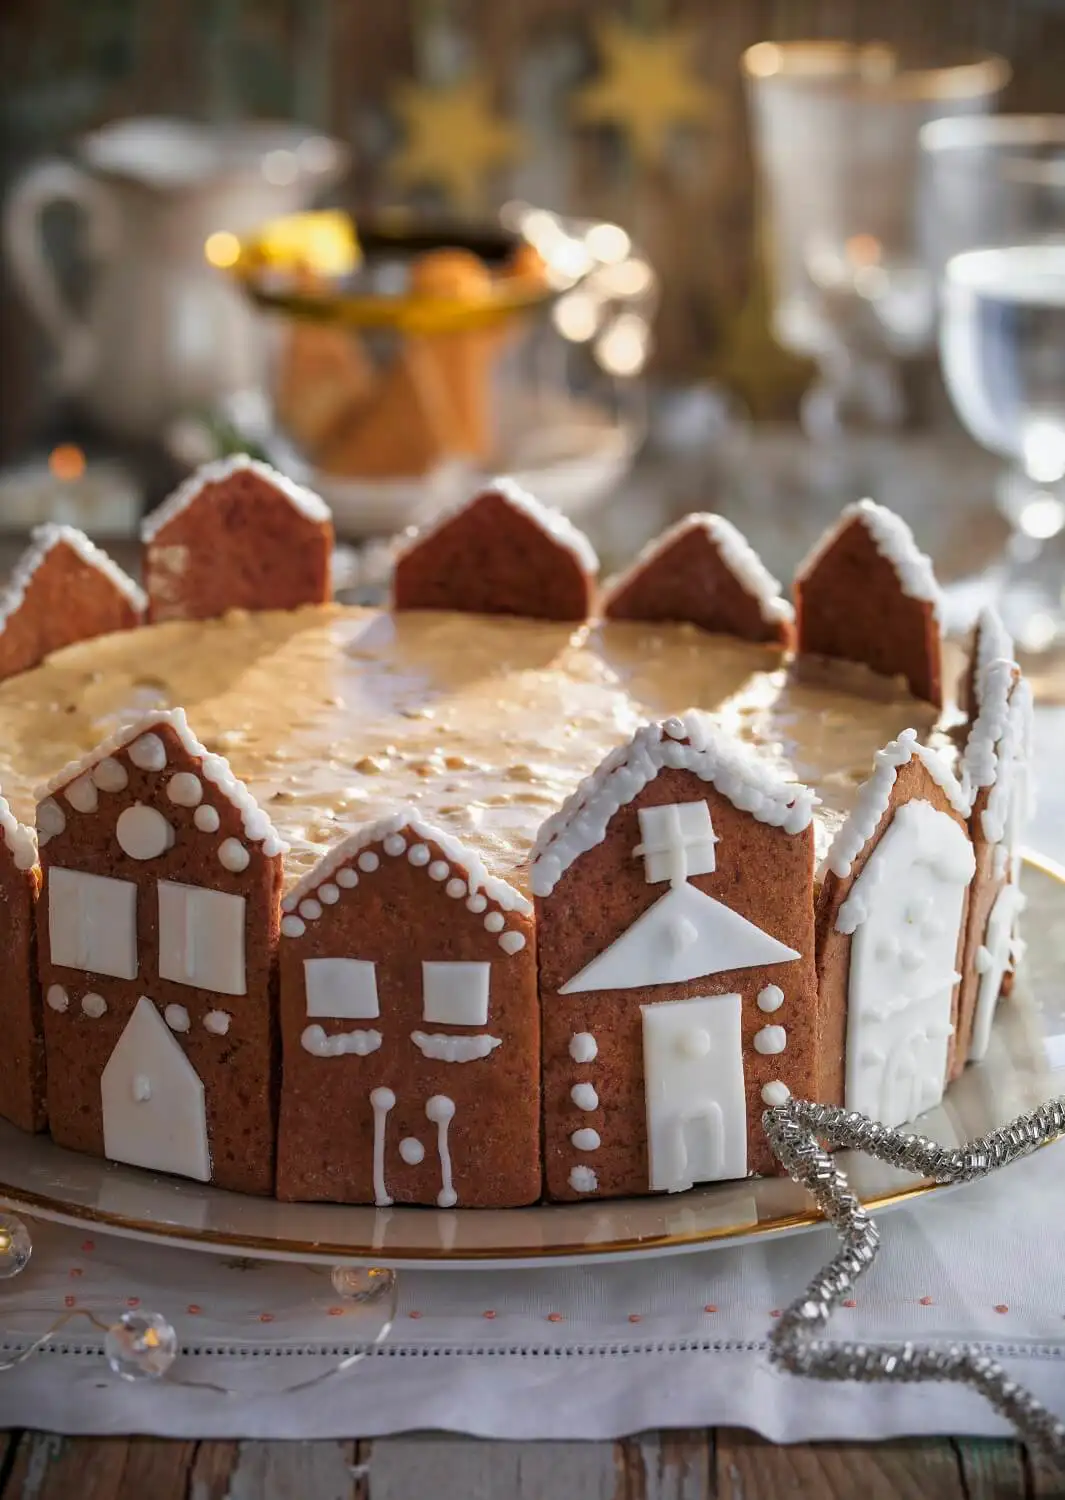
x,y
16,1247
362,1283
141,1346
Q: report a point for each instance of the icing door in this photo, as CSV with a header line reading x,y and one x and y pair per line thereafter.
x,y
992,961
154,1112
693,1087
911,895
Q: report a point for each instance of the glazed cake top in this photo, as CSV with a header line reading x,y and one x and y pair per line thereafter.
x,y
334,715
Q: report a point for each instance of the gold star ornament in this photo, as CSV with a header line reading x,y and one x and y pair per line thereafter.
x,y
453,139
647,88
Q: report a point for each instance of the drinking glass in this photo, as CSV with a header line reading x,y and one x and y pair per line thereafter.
x,y
836,130
993,212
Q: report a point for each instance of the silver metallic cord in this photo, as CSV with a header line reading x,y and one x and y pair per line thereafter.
x,y
795,1132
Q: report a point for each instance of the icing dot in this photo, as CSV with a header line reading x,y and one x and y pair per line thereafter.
x,y
368,861
439,1108
394,844
57,997
185,789
310,909
477,902
583,1180
438,870
206,819
328,893
346,878
176,1017
292,927
494,921
584,1096
93,1005
110,775
512,942
81,794
583,1047
776,1092
418,854
148,752
771,998
51,819
142,1088
233,856
770,1039
412,1151
143,833
456,888
695,1042
217,1022
586,1139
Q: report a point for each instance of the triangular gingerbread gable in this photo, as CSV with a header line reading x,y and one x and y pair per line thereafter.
x,y
499,553
703,571
867,594
63,589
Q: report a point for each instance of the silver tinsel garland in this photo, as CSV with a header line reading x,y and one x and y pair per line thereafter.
x,y
795,1132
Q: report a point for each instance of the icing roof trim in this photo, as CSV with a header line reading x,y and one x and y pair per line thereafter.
x,y
20,840
894,540
43,540
301,499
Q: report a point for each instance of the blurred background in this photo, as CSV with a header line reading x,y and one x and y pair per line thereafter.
x,y
652,255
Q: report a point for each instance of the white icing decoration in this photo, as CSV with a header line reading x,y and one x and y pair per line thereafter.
x,y
993,641
328,893
342,988
360,1043
894,540
584,1096
775,1093
512,942
292,927
899,1018
735,551
51,819
93,1005
695,1100
110,775
678,840
695,1042
305,502
454,1049
476,903
872,801
201,938
771,998
82,795
176,1017
162,1127
143,833
368,861
207,819
394,844
382,1100
217,1022
583,1047
411,1150
583,1180
57,997
233,856
494,921
92,923
982,958
310,910
418,854
21,841
185,789
586,1139
748,783
770,1040
455,994
998,940
646,953
43,539
455,888
441,1111
148,753
438,870
347,878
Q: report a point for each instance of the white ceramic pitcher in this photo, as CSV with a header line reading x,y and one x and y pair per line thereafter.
x,y
163,332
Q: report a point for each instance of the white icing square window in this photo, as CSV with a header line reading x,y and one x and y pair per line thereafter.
x,y
201,938
92,923
455,993
344,988
678,841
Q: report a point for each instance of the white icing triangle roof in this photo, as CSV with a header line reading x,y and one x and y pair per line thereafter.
x,y
305,501
214,768
688,742
894,541
43,540
686,934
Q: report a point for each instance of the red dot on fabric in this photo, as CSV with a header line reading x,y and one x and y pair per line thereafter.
x,y
775,1312
194,1308
554,1317
88,1246
927,1302
710,1307
75,1270
635,1317
266,1317
489,1312
414,1315
133,1302
1001,1307
850,1302
70,1301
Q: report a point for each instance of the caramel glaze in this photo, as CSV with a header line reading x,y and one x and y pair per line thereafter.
x,y
335,715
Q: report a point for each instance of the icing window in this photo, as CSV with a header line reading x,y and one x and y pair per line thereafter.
x,y
92,923
455,994
201,938
677,841
344,988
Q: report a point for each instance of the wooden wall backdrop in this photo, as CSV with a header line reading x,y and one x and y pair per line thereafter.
x,y
66,65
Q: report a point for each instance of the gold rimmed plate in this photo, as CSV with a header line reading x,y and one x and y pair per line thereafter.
x,y
1022,1070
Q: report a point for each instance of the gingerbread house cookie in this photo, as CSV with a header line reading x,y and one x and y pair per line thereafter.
x,y
890,928
63,589
500,553
866,594
22,1088
996,767
236,535
674,908
704,571
157,939
410,1027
